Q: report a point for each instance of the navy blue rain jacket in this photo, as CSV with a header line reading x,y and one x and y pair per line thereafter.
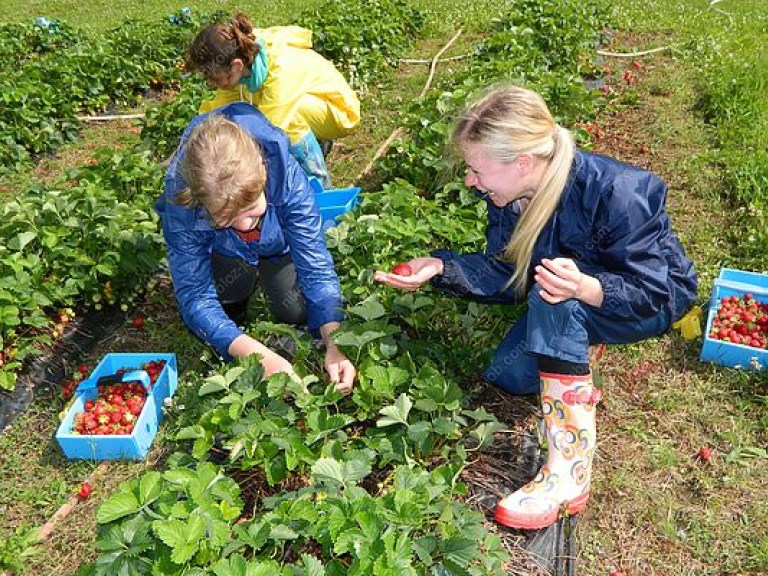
x,y
612,222
292,223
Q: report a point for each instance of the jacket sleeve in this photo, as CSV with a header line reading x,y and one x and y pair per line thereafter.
x,y
634,274
481,277
304,91
189,260
296,36
300,219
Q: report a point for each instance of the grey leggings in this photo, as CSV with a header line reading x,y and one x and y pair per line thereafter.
x,y
236,281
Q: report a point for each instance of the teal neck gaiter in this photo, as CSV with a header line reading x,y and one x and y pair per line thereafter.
x,y
258,75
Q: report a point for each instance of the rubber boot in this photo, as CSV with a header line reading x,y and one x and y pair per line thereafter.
x,y
562,484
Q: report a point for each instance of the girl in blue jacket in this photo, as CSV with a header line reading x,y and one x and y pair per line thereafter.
x,y
237,206
586,240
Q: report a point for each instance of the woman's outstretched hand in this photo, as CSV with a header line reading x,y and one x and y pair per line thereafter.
x,y
422,270
561,280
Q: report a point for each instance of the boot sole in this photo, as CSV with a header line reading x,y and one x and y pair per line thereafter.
x,y
523,521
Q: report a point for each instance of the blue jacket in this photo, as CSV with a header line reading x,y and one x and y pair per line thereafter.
x,y
612,222
292,223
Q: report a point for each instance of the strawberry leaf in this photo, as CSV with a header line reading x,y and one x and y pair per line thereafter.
x,y
396,413
182,537
131,498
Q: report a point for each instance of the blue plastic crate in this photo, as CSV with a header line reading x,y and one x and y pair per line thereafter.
x,y
733,282
316,185
135,446
334,203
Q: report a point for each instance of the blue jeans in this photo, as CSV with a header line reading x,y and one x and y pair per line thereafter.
x,y
563,331
310,157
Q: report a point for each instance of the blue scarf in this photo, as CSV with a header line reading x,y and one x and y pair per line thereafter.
x,y
258,75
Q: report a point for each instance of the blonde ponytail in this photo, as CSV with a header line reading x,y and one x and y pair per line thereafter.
x,y
507,122
519,249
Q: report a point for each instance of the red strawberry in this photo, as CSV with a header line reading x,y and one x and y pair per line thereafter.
x,y
138,322
84,491
402,269
705,454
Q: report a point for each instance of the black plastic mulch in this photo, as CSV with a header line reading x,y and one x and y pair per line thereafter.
x,y
510,462
50,369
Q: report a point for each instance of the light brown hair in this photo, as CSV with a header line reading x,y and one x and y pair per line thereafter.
x,y
509,121
224,170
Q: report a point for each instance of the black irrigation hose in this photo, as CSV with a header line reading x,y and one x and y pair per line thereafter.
x,y
50,369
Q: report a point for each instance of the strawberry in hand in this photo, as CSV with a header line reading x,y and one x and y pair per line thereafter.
x,y
411,275
402,269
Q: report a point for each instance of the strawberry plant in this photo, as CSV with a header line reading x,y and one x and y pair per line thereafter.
x,y
167,521
20,42
349,496
63,73
547,46
363,37
163,124
564,32
91,243
17,550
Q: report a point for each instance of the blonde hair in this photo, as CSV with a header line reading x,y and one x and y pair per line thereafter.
x,y
509,121
224,170
217,45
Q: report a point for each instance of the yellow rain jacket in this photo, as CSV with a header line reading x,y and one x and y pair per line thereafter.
x,y
302,91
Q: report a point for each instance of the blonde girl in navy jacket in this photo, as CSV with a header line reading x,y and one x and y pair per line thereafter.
x,y
586,240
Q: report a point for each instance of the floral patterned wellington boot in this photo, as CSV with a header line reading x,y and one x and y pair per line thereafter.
x,y
562,484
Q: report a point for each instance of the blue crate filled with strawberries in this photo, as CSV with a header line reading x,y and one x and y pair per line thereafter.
x,y
117,408
737,324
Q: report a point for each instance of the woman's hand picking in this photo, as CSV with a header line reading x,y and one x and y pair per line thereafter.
x,y
340,369
422,271
272,362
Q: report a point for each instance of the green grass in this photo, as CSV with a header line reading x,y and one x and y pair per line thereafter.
x,y
725,42
101,15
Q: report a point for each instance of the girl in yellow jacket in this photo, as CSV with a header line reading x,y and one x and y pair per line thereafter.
x,y
276,70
